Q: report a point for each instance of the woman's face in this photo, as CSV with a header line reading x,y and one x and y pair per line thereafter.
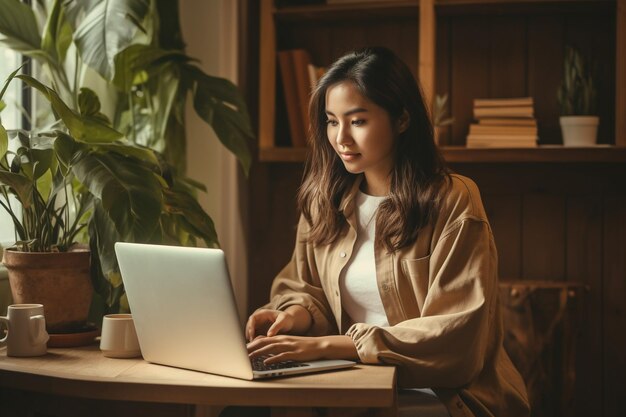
x,y
361,132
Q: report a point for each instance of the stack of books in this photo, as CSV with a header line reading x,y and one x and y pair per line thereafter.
x,y
503,123
298,76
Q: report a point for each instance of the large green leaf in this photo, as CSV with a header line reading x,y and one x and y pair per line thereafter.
x,y
86,129
106,235
18,24
104,270
21,186
67,150
138,58
4,141
41,160
192,217
107,29
130,193
134,151
221,90
76,9
217,102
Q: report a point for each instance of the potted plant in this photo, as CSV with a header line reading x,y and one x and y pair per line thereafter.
x,y
577,98
440,116
125,167
63,184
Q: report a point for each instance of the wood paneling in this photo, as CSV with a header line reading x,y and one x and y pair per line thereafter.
x,y
614,304
267,57
620,71
442,74
507,57
273,221
427,50
328,40
545,45
505,216
584,265
469,70
543,231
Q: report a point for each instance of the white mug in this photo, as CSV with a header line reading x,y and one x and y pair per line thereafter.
x,y
27,335
118,338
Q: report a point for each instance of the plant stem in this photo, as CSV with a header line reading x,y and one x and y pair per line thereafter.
x,y
155,135
132,116
76,70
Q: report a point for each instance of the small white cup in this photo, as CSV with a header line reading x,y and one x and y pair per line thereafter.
x,y
119,339
27,335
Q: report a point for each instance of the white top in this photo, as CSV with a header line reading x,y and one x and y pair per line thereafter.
x,y
359,291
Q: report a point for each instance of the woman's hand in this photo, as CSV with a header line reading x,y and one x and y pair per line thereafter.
x,y
300,348
295,319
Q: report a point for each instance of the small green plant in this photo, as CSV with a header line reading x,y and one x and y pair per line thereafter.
x,y
440,111
577,95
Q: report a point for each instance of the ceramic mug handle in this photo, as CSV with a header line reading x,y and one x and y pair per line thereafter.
x,y
38,334
5,320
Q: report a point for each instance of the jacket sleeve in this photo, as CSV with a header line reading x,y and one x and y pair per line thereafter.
x,y
299,284
447,345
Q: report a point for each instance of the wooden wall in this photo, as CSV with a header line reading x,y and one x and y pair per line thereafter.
x,y
567,222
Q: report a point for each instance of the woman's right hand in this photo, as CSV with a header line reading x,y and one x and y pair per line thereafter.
x,y
295,319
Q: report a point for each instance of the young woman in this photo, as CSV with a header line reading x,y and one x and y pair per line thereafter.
x,y
394,260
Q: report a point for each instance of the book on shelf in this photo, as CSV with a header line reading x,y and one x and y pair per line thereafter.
x,y
299,76
500,145
503,102
502,130
300,59
504,111
315,73
487,144
503,123
290,89
506,121
502,141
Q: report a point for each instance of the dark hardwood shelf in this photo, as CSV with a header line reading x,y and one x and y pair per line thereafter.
x,y
460,154
344,11
544,153
411,7
464,7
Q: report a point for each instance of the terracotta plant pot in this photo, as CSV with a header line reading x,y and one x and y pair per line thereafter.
x,y
60,281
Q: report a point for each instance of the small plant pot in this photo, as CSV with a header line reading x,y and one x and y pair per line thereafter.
x,y
60,281
579,130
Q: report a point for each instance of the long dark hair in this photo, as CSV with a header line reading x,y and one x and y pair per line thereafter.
x,y
419,173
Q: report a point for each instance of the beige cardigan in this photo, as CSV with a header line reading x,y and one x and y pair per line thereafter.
x,y
441,300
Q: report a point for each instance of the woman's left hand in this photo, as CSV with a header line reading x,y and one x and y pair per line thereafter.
x,y
301,348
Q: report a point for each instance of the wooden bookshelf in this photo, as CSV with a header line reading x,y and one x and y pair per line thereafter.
x,y
427,60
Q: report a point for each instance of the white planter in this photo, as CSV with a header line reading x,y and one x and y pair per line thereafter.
x,y
579,130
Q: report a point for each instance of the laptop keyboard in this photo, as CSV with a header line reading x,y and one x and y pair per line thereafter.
x,y
258,365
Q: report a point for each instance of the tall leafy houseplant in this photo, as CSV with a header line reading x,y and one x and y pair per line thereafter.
x,y
131,158
577,98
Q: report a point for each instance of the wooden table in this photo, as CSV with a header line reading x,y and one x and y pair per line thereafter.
x,y
80,381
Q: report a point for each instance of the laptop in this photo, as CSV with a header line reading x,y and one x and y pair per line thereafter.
x,y
185,314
